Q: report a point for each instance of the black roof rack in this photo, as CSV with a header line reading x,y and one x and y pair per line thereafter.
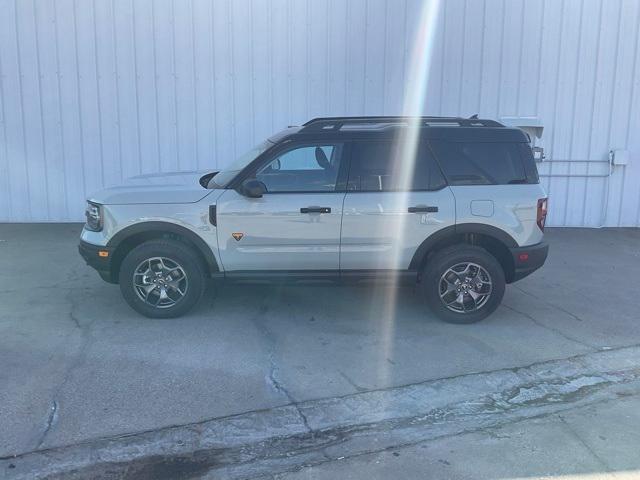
x,y
336,123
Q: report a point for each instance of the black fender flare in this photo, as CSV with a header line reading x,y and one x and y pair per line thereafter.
x,y
166,227
480,228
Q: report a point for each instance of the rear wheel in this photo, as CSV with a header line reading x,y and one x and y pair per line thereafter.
x,y
162,279
463,284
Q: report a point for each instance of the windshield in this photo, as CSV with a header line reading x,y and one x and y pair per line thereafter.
x,y
230,171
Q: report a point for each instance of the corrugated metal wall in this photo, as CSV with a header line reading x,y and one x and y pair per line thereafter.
x,y
96,91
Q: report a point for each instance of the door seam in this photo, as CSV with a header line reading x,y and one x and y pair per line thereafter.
x,y
344,198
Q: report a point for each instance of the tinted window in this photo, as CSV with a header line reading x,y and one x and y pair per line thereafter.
x,y
309,168
481,163
377,167
529,162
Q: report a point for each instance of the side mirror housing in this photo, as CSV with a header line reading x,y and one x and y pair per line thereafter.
x,y
205,179
252,188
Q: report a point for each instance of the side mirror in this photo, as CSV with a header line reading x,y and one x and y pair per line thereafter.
x,y
253,188
205,179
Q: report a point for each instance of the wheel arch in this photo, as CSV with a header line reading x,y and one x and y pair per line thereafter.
x,y
496,241
132,236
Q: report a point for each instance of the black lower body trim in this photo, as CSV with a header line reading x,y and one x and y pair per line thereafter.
x,y
527,260
315,275
91,255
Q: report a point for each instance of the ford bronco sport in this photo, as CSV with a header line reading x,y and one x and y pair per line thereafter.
x,y
462,214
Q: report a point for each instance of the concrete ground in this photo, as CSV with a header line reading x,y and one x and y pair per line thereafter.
x,y
561,446
77,366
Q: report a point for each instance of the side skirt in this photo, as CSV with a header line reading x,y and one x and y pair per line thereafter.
x,y
331,276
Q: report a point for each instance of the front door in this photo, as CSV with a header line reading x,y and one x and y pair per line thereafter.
x,y
295,225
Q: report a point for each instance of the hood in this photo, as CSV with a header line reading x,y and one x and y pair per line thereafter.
x,y
171,187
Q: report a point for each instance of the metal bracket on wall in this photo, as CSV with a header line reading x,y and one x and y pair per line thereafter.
x,y
579,175
607,176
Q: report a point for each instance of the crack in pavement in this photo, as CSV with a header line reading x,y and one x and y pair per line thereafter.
x,y
50,420
350,381
79,359
279,387
546,302
276,440
575,435
272,376
547,327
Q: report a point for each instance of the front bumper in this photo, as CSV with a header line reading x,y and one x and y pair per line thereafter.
x,y
527,260
98,257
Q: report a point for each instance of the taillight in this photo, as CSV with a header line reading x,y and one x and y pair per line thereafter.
x,y
541,216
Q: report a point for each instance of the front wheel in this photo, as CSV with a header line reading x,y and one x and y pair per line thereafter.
x,y
463,284
162,278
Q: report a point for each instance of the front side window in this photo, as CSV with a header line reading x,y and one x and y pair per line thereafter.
x,y
379,166
481,163
308,168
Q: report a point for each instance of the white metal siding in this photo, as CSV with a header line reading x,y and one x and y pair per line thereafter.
x,y
94,92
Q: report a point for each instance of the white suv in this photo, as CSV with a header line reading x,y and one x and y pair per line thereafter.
x,y
453,204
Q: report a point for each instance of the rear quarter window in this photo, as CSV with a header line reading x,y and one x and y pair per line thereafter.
x,y
529,162
485,163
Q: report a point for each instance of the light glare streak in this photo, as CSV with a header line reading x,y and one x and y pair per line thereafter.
x,y
405,149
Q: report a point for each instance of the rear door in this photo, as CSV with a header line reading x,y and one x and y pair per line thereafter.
x,y
296,224
392,205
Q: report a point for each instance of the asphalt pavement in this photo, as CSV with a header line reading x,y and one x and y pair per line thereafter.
x,y
304,362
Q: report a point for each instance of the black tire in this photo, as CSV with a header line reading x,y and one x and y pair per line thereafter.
x,y
178,253
449,257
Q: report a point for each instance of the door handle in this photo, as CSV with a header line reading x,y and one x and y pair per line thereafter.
x,y
422,209
315,210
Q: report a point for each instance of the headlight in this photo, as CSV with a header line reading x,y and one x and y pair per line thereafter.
x,y
94,217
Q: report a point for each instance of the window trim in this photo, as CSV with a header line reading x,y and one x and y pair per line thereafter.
x,y
422,141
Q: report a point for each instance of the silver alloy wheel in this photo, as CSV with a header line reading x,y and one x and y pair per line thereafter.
x,y
160,282
465,287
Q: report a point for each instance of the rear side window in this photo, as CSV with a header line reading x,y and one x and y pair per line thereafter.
x,y
484,163
376,167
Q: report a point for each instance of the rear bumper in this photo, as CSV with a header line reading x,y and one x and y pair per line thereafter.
x,y
93,258
527,260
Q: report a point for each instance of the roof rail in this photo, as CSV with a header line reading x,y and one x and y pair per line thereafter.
x,y
336,123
